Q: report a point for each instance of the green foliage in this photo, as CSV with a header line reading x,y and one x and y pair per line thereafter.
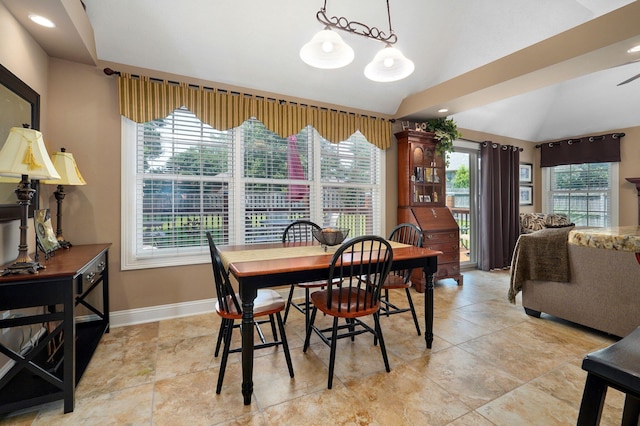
x,y
446,131
461,179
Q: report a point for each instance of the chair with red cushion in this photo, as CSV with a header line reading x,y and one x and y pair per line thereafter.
x,y
300,231
347,296
268,303
405,233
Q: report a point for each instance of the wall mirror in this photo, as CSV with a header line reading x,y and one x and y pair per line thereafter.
x,y
19,104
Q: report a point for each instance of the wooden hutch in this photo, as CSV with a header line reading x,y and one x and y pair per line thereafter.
x,y
421,201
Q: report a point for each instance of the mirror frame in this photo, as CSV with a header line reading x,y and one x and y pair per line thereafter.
x,y
10,212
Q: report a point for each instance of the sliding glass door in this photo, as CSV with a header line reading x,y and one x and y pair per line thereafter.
x,y
462,195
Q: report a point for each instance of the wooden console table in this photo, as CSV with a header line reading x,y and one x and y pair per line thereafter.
x,y
64,296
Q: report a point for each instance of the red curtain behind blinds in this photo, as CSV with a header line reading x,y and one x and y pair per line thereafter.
x,y
590,149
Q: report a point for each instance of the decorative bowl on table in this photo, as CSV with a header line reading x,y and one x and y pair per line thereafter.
x,y
330,236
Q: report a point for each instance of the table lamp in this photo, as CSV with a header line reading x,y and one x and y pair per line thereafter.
x,y
69,175
25,156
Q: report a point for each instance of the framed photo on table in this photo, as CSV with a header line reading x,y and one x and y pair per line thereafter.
x,y
526,173
526,195
45,237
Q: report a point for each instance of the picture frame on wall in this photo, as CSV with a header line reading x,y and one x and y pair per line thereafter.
x,y
526,173
526,195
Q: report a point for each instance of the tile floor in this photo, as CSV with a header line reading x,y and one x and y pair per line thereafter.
x,y
490,364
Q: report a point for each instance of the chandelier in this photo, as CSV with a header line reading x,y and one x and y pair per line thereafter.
x,y
327,50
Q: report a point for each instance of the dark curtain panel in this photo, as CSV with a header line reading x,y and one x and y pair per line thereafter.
x,y
591,149
499,204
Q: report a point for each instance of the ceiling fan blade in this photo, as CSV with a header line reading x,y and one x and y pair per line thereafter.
x,y
629,80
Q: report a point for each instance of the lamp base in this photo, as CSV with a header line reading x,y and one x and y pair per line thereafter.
x,y
64,243
23,268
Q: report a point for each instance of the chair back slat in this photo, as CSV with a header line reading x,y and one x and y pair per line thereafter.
x,y
300,231
227,299
358,269
406,233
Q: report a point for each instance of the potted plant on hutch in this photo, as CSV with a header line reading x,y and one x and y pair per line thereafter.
x,y
445,131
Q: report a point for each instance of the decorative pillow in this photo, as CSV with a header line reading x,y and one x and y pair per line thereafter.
x,y
531,222
554,219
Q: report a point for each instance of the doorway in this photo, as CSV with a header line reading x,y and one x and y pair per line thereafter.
x,y
461,199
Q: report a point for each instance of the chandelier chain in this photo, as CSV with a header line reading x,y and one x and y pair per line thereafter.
x,y
356,27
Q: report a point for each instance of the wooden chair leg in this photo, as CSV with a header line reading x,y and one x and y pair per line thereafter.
x,y
383,348
595,390
223,327
225,355
285,344
631,413
309,329
286,309
332,355
413,311
273,328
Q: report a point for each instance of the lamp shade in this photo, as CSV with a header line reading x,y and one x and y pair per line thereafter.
x,y
389,64
327,50
66,166
24,153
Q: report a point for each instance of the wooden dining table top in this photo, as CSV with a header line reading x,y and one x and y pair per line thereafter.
x,y
249,260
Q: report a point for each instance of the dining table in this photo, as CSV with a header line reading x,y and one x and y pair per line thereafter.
x,y
266,265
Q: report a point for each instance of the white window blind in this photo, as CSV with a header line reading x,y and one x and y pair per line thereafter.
x,y
584,192
245,185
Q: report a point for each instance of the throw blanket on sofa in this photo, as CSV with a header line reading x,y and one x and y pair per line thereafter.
x,y
542,256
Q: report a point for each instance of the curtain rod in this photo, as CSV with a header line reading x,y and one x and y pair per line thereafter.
x,y
578,140
504,147
110,72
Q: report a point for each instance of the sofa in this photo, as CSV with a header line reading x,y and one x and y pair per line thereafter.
x,y
594,287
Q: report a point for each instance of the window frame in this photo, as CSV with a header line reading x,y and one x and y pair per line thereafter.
x,y
614,189
131,198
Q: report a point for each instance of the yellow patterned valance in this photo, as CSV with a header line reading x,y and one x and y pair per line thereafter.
x,y
144,99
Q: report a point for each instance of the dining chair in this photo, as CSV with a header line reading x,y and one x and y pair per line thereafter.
x,y
300,231
268,303
349,297
406,233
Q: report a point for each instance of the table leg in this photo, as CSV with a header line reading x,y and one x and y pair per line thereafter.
x,y
69,350
247,295
428,308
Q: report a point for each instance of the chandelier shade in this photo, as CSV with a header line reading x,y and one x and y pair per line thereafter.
x,y
388,65
327,50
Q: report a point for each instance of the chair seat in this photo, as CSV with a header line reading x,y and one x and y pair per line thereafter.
x,y
267,302
344,302
395,281
616,366
619,363
313,284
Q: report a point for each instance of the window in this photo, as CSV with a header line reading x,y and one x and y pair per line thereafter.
x,y
182,178
586,193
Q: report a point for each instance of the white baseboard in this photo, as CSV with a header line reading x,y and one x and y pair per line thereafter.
x,y
174,310
161,312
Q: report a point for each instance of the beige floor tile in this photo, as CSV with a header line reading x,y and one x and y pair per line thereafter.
x,y
490,364
469,378
129,406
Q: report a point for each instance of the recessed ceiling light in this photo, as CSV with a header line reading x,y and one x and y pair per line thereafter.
x,y
41,20
634,49
442,110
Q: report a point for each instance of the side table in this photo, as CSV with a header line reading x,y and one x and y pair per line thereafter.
x,y
74,282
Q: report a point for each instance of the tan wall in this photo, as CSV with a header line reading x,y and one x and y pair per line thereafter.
x,y
21,55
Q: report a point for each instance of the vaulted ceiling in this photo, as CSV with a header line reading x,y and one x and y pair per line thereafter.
x,y
532,70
